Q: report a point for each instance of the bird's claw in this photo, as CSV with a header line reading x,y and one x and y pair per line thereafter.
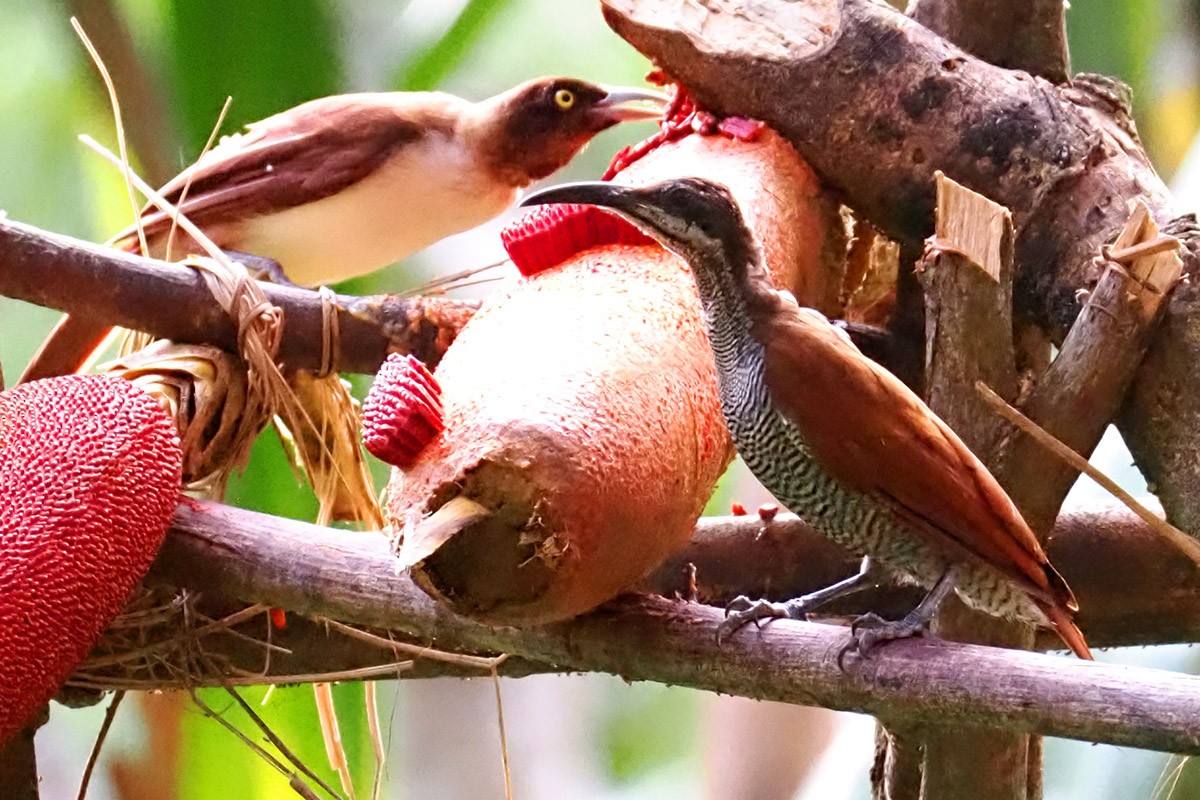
x,y
870,630
742,610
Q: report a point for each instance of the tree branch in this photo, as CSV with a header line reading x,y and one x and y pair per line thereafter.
x,y
1156,599
1030,35
1080,393
351,577
171,301
18,762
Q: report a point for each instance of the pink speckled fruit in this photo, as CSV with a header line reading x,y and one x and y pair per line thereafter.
x,y
90,470
583,430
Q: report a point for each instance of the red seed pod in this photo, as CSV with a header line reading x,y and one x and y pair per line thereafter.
x,y
742,129
403,411
90,471
544,236
278,617
737,509
768,511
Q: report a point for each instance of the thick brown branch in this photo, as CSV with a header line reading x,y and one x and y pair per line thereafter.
x,y
293,565
892,102
1134,589
172,302
1030,35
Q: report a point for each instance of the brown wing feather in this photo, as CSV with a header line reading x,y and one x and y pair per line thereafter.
x,y
875,435
301,155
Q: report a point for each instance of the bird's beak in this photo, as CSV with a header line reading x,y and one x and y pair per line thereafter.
x,y
628,201
623,104
592,193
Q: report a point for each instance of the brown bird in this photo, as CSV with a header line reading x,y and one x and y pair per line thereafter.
x,y
345,185
837,438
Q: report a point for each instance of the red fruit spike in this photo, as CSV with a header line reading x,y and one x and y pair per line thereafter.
x,y
737,509
90,471
657,77
768,511
741,128
682,117
545,236
403,411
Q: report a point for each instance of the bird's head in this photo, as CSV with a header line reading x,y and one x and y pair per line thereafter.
x,y
534,129
694,217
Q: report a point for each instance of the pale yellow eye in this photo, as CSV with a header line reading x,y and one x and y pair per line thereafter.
x,y
565,98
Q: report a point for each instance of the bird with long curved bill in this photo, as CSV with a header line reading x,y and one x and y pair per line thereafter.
x,y
837,438
345,185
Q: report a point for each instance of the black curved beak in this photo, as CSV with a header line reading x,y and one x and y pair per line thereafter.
x,y
632,203
590,193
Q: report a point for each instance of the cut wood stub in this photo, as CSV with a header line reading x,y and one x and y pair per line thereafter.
x,y
967,275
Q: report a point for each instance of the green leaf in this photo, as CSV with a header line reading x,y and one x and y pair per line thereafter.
x,y
428,69
268,55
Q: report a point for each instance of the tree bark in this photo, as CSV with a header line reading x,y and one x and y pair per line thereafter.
x,y
18,762
1030,36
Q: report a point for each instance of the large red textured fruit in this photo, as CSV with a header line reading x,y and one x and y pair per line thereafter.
x,y
90,470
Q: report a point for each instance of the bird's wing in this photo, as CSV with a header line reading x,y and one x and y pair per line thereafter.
x,y
301,155
871,433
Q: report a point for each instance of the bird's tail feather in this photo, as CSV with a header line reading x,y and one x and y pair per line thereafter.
x,y
1066,628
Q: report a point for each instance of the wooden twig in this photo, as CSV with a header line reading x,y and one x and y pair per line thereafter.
x,y
294,779
171,301
1177,538
110,714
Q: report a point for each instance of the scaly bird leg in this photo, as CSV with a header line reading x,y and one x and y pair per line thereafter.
x,y
871,630
742,609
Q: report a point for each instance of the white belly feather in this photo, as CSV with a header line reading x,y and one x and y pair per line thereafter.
x,y
426,192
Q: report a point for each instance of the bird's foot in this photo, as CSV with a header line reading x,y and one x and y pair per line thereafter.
x,y
742,610
870,630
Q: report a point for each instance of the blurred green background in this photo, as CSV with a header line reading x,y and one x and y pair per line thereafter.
x,y
176,61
